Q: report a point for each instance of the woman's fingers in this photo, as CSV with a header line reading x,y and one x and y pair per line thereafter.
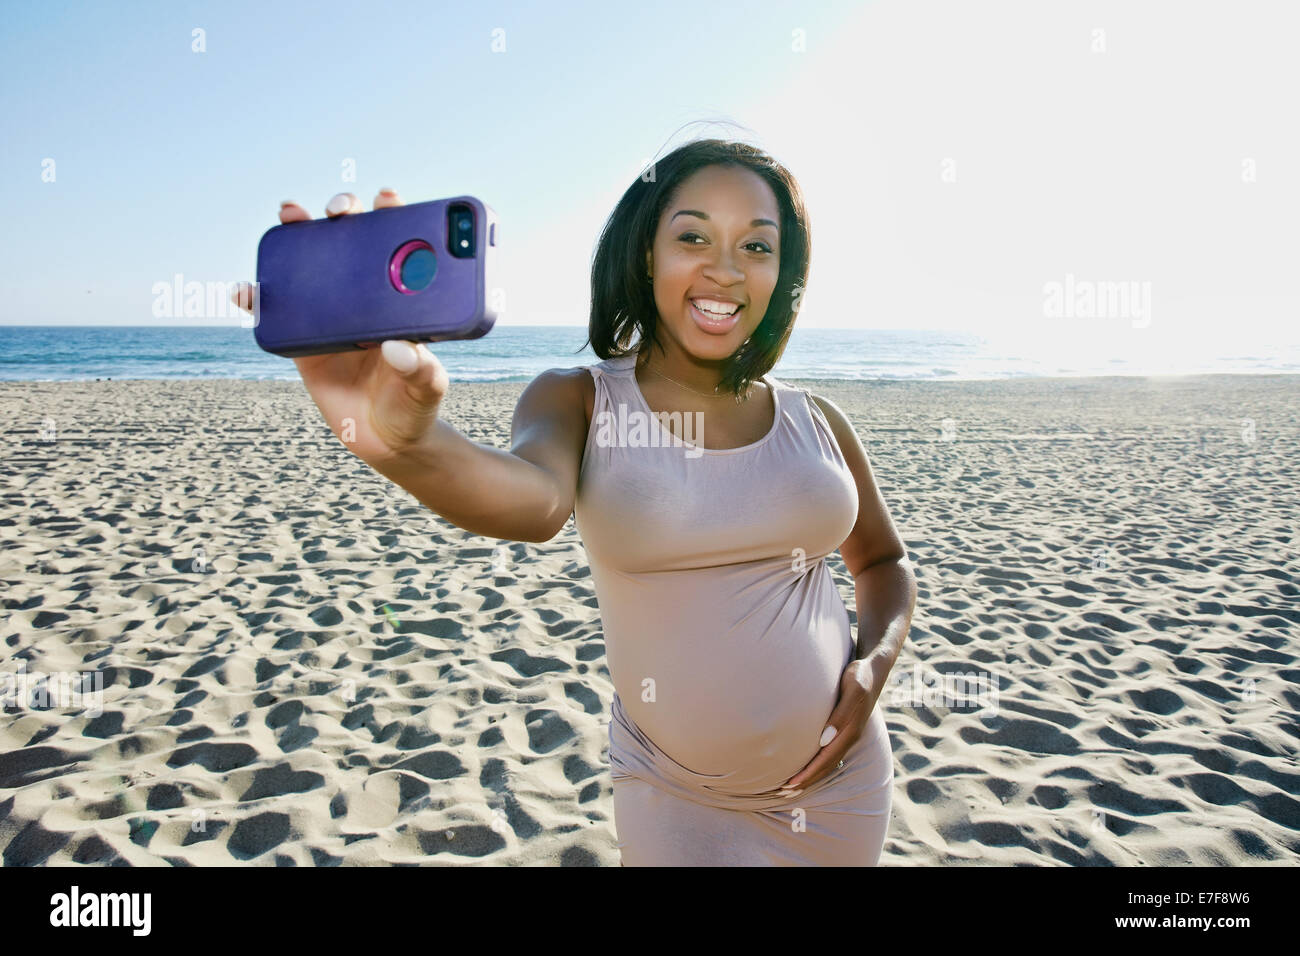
x,y
290,211
342,205
242,296
400,417
425,378
387,197
401,355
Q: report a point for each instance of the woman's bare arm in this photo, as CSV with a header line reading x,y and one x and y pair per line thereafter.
x,y
524,494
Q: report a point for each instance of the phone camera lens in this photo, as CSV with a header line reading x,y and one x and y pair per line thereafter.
x,y
417,270
413,267
461,241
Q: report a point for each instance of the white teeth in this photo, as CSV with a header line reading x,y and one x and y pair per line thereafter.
x,y
714,307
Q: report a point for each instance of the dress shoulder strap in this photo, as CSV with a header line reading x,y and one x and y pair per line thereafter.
x,y
610,366
814,412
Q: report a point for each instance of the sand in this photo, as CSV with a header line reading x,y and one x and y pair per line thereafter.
x,y
301,665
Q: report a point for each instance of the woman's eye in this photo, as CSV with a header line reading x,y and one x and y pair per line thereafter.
x,y
763,245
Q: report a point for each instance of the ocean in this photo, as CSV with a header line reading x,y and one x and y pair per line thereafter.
x,y
519,353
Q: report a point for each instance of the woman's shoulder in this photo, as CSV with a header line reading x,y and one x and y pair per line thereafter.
x,y
817,405
562,386
617,364
787,391
833,417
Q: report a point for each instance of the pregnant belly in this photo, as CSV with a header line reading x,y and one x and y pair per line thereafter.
x,y
746,703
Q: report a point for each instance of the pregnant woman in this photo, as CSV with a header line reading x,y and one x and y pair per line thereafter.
x,y
709,497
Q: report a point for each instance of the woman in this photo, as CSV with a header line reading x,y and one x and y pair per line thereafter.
x,y
744,728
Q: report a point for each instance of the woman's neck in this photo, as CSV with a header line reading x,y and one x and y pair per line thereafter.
x,y
700,380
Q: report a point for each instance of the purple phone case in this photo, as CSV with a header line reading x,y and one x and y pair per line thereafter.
x,y
324,285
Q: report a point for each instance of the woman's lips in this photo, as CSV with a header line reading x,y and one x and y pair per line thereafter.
x,y
715,325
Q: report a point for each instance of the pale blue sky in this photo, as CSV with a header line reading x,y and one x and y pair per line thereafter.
x,y
956,156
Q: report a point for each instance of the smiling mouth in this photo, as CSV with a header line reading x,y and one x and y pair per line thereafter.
x,y
713,322
720,308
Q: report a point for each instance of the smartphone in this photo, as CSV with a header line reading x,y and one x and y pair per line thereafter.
x,y
424,272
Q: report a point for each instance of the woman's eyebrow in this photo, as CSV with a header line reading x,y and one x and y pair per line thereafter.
x,y
705,217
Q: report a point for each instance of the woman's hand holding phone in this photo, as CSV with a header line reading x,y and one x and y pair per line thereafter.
x,y
382,403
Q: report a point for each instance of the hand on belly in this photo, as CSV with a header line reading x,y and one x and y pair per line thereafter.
x,y
752,719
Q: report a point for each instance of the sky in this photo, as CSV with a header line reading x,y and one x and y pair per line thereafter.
x,y
958,158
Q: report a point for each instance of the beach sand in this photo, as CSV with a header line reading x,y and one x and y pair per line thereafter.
x,y
339,676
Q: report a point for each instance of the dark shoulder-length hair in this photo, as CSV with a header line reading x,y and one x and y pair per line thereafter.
x,y
624,319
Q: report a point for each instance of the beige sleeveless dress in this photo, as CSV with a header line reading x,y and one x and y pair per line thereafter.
x,y
725,636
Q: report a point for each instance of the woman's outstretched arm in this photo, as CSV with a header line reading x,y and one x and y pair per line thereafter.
x,y
524,494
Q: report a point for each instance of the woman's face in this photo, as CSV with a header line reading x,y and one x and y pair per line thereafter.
x,y
717,244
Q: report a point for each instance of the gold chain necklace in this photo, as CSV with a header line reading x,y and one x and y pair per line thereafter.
x,y
739,399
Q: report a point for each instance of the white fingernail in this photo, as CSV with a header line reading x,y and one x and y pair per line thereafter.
x,y
828,735
790,793
340,203
400,355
